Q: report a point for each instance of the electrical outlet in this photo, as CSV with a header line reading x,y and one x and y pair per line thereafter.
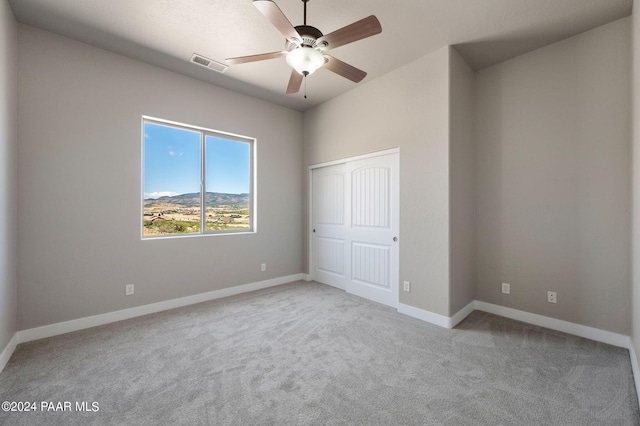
x,y
552,297
128,290
406,286
506,288
263,267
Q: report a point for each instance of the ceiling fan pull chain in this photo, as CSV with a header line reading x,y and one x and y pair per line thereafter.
x,y
305,85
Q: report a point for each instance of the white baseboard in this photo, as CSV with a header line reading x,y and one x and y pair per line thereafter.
x,y
462,314
306,277
95,320
436,319
596,334
634,367
8,351
423,315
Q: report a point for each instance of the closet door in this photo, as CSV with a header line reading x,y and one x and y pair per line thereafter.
x,y
355,216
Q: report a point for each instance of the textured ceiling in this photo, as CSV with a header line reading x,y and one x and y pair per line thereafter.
x,y
167,32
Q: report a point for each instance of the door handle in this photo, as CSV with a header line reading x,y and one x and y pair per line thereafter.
x,y
395,239
314,231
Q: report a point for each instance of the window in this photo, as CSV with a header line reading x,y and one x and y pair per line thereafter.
x,y
195,181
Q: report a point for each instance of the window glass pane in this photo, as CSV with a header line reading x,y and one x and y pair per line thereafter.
x,y
171,180
228,184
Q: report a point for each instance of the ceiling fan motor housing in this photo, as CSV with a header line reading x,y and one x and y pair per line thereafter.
x,y
309,36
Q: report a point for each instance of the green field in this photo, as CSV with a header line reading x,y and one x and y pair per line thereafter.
x,y
161,226
170,227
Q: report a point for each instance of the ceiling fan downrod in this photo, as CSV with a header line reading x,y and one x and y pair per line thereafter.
x,y
305,11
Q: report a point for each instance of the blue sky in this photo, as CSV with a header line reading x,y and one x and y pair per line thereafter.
x,y
172,163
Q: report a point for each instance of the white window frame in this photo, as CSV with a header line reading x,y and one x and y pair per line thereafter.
x,y
204,132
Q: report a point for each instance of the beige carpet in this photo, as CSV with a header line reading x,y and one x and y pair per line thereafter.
x,y
308,354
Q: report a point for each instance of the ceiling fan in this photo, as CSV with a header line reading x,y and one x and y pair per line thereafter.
x,y
306,45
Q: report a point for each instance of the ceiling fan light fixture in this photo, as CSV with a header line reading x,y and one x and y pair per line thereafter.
x,y
305,60
305,45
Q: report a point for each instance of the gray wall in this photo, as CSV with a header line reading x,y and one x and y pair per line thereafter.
x,y
635,182
553,179
407,108
79,184
8,144
462,193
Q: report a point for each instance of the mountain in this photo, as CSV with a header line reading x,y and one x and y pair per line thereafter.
x,y
211,198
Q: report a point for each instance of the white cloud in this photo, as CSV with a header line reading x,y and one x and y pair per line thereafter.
x,y
159,194
173,153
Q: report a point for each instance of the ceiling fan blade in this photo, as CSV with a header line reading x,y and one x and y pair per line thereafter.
x,y
357,31
295,81
272,12
254,58
345,70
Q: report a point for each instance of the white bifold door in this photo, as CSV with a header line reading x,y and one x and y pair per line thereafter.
x,y
355,221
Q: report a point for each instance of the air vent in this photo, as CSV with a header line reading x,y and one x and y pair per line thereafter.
x,y
208,63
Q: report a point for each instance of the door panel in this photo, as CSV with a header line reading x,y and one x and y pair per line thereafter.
x,y
331,255
370,265
331,191
371,187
